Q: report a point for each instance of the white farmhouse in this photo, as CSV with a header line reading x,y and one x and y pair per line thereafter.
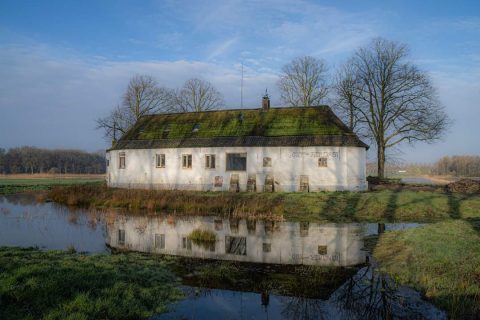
x,y
264,149
240,239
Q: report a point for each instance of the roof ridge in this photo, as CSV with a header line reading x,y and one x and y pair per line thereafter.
x,y
327,107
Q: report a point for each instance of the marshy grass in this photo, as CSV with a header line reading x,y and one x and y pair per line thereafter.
x,y
36,284
202,236
341,207
180,202
441,260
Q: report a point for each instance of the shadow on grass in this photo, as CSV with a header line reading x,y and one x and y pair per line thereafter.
x,y
389,213
345,201
454,205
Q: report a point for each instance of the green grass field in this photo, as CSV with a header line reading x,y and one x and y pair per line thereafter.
x,y
441,260
58,285
31,183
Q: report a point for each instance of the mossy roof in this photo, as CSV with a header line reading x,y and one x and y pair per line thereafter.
x,y
240,127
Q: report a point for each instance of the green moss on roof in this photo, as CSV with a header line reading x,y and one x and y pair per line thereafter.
x,y
313,121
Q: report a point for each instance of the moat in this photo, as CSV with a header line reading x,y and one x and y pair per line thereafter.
x,y
254,269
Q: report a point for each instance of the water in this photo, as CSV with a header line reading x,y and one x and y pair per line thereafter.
x,y
274,270
25,223
417,180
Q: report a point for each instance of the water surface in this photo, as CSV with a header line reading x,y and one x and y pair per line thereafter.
x,y
254,270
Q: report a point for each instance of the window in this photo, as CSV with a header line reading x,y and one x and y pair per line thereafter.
x,y
186,244
236,162
267,247
322,250
108,162
218,224
218,181
304,229
121,237
121,160
187,161
322,162
267,162
210,161
210,246
234,223
166,131
236,245
160,160
251,226
159,241
268,226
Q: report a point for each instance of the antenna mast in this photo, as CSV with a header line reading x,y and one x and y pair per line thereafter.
x,y
241,90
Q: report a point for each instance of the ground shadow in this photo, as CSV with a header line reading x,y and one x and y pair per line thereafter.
x,y
348,201
454,202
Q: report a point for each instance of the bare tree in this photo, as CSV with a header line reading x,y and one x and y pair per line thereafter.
x,y
391,98
143,96
303,82
197,95
346,100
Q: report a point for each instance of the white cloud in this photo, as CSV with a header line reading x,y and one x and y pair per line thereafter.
x,y
54,102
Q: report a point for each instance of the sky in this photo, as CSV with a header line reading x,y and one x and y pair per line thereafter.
x,y
65,63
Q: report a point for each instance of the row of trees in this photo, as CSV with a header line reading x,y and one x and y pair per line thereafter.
x,y
465,166
145,96
460,166
378,92
36,160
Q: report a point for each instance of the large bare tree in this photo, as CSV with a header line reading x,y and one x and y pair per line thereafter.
x,y
390,98
143,96
197,95
344,88
303,82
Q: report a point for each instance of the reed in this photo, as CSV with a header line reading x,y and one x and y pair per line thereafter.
x,y
341,207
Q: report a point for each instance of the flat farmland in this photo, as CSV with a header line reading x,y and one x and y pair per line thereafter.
x,y
32,182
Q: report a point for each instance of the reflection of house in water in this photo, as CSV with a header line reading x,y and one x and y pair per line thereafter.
x,y
241,240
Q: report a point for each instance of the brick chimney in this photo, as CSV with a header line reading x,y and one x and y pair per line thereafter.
x,y
265,102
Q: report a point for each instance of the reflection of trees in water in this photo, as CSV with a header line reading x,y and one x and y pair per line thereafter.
x,y
369,294
302,308
372,294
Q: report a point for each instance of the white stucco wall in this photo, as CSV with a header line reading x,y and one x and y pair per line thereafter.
x,y
345,170
290,242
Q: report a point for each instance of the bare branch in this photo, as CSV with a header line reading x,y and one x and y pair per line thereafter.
x,y
389,98
142,97
196,95
303,82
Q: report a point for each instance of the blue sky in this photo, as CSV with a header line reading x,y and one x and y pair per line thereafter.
x,y
65,63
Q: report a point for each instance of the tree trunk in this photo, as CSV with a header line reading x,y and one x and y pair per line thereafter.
x,y
380,160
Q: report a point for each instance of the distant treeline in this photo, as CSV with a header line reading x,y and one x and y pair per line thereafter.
x,y
464,166
468,166
37,160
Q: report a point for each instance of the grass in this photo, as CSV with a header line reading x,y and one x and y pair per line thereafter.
x,y
21,183
58,285
441,260
341,207
199,236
